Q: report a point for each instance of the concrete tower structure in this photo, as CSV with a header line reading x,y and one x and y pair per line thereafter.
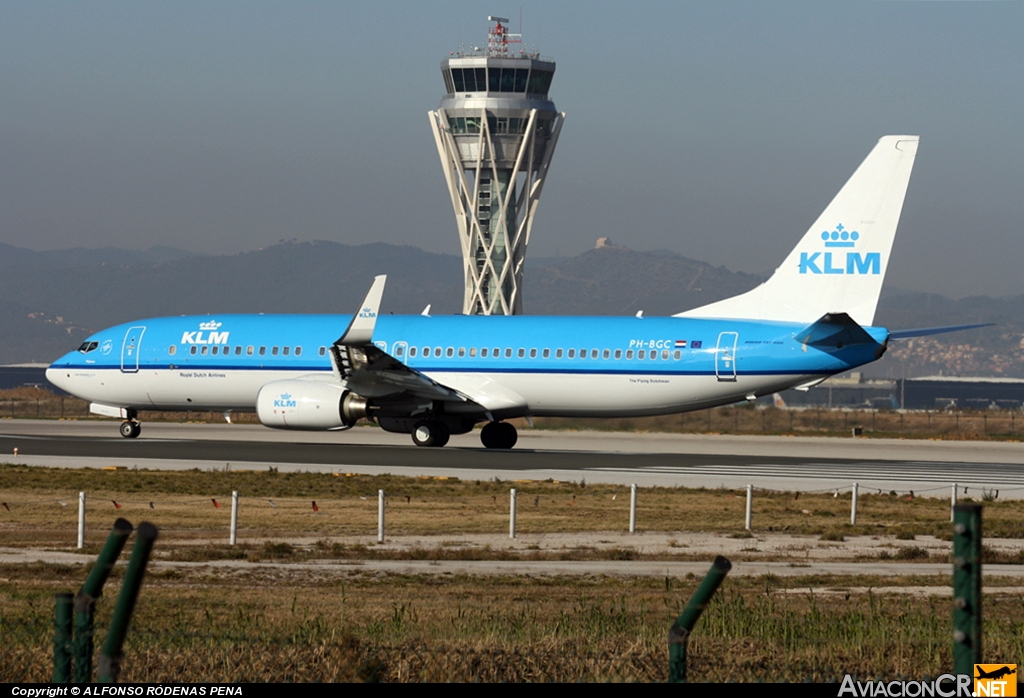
x,y
496,131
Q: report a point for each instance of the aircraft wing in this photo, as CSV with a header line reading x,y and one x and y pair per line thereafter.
x,y
372,372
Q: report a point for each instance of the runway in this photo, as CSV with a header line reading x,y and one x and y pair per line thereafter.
x,y
781,463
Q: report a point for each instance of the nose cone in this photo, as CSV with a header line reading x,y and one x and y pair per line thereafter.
x,y
58,374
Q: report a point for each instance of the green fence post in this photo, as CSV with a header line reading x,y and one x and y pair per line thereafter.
x,y
966,588
85,601
62,616
110,658
679,634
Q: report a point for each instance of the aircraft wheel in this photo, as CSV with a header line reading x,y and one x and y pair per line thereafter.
x,y
498,435
509,435
430,433
130,430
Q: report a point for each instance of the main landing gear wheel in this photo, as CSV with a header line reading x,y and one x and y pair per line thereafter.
x,y
430,433
130,429
498,435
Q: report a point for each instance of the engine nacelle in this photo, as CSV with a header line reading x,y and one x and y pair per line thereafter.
x,y
309,405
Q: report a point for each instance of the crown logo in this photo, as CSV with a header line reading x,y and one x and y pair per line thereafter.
x,y
840,237
210,325
286,396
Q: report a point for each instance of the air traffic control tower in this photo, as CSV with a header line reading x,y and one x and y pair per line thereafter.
x,y
496,131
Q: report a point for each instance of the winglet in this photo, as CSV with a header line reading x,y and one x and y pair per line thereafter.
x,y
360,330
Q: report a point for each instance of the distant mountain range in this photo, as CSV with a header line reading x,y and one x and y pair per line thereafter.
x,y
50,301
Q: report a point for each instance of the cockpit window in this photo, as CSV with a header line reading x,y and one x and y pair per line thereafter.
x,y
88,346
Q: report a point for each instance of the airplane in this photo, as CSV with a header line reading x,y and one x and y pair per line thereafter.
x,y
432,376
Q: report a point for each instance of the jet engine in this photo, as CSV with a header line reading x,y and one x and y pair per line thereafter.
x,y
309,405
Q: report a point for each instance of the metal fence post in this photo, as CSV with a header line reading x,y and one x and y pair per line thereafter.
x,y
853,505
234,517
110,658
750,506
512,513
63,614
966,588
380,516
632,508
85,601
81,520
679,633
952,503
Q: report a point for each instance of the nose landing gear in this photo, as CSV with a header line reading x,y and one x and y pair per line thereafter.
x,y
130,429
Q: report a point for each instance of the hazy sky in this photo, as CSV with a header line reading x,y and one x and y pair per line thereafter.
x,y
716,130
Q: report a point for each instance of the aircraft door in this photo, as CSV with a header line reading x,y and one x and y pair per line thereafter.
x,y
725,356
130,349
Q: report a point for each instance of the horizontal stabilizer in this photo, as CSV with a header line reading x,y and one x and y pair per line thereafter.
x,y
834,330
926,331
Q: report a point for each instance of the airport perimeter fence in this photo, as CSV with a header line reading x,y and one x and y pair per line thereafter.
x,y
746,419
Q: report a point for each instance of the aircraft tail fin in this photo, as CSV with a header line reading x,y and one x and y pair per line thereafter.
x,y
839,265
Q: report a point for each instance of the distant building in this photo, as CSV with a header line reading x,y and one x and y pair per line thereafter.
x,y
495,131
941,392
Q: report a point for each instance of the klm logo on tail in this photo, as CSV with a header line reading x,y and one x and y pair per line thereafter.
x,y
834,262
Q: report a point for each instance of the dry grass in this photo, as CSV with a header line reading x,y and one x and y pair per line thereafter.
x,y
291,625
42,507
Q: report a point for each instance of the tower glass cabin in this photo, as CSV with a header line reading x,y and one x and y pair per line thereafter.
x,y
496,131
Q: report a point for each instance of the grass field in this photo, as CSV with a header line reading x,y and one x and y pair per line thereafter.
x,y
241,621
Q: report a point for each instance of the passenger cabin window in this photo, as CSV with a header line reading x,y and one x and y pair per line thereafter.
x,y
472,352
629,354
450,353
606,354
263,351
558,353
193,349
593,353
273,351
522,352
664,354
677,355
285,350
508,352
547,353
437,352
572,353
298,351
399,350
215,350
238,350
323,351
171,349
412,352
641,354
483,352
204,350
248,350
533,353
618,354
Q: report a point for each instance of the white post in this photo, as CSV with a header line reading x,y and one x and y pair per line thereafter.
x,y
952,503
853,506
380,516
234,517
632,508
750,504
81,520
512,513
